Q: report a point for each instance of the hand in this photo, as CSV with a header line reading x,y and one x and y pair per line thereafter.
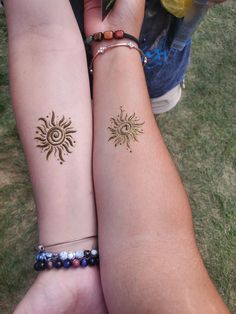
x,y
65,291
125,15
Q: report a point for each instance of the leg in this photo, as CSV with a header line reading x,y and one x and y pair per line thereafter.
x,y
48,75
167,101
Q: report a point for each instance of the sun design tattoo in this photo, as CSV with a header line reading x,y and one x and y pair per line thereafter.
x,y
125,129
54,136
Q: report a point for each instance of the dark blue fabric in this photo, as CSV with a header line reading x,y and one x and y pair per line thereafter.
x,y
166,67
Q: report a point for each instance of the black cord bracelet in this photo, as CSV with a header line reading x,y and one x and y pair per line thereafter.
x,y
109,35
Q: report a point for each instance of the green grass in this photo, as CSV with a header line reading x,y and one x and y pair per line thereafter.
x,y
17,215
201,136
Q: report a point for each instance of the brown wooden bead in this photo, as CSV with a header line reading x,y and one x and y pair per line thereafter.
x,y
98,36
108,35
119,34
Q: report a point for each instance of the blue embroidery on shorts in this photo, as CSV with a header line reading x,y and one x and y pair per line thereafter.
x,y
157,56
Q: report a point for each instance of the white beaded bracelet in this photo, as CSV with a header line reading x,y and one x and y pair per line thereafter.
x,y
103,49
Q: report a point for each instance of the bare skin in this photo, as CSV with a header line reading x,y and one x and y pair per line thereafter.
x,y
42,42
64,292
48,73
145,223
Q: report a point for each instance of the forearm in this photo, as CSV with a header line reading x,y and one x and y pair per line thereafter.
x,y
144,217
142,171
48,73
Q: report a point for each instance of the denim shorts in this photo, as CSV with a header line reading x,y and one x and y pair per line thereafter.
x,y
166,67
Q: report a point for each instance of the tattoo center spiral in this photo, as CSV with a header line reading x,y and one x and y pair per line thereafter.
x,y
125,129
54,136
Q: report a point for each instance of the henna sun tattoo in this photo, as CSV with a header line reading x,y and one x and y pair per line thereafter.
x,y
125,129
54,136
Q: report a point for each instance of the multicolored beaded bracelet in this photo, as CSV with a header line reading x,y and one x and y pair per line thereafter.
x,y
109,35
48,260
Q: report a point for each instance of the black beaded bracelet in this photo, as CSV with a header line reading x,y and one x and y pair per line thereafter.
x,y
109,35
48,260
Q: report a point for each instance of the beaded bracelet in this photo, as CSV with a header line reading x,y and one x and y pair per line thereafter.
x,y
48,260
109,35
103,49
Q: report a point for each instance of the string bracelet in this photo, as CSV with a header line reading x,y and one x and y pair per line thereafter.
x,y
109,35
129,45
42,247
45,260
